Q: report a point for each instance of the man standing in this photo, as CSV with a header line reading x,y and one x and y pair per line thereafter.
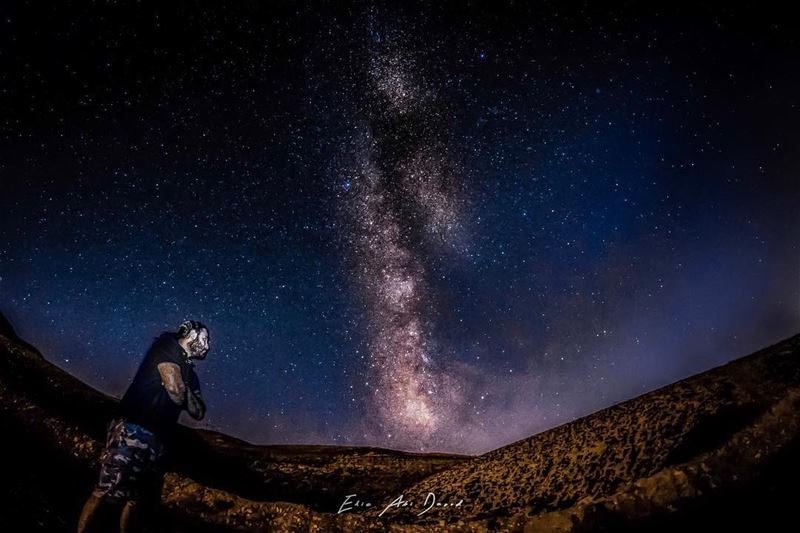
x,y
131,473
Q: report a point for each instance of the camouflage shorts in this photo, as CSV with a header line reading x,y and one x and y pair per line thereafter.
x,y
131,463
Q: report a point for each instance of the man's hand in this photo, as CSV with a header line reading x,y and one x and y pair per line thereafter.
x,y
173,382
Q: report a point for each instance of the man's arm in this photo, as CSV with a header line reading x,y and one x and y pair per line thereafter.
x,y
195,405
173,382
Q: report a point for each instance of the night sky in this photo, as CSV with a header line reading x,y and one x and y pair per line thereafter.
x,y
432,228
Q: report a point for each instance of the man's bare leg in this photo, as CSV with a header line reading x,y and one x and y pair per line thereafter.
x,y
92,509
129,520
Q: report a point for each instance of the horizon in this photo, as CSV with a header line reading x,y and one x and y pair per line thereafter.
x,y
187,421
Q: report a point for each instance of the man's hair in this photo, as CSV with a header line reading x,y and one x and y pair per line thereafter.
x,y
187,326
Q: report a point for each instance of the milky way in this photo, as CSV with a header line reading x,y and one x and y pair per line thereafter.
x,y
403,196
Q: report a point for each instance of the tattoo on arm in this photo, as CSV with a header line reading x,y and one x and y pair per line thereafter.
x,y
173,382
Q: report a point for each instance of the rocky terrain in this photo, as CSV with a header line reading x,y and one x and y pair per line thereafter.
x,y
716,450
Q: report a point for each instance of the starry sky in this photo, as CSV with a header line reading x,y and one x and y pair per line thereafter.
x,y
424,226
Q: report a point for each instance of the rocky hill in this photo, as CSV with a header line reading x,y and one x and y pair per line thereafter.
x,y
716,449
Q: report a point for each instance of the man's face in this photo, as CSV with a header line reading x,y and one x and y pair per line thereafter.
x,y
198,348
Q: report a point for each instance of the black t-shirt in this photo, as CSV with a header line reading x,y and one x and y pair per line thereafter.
x,y
146,402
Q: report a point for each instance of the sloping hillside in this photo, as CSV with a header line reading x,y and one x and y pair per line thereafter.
x,y
734,417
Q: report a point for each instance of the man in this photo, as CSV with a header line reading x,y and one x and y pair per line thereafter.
x,y
165,384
